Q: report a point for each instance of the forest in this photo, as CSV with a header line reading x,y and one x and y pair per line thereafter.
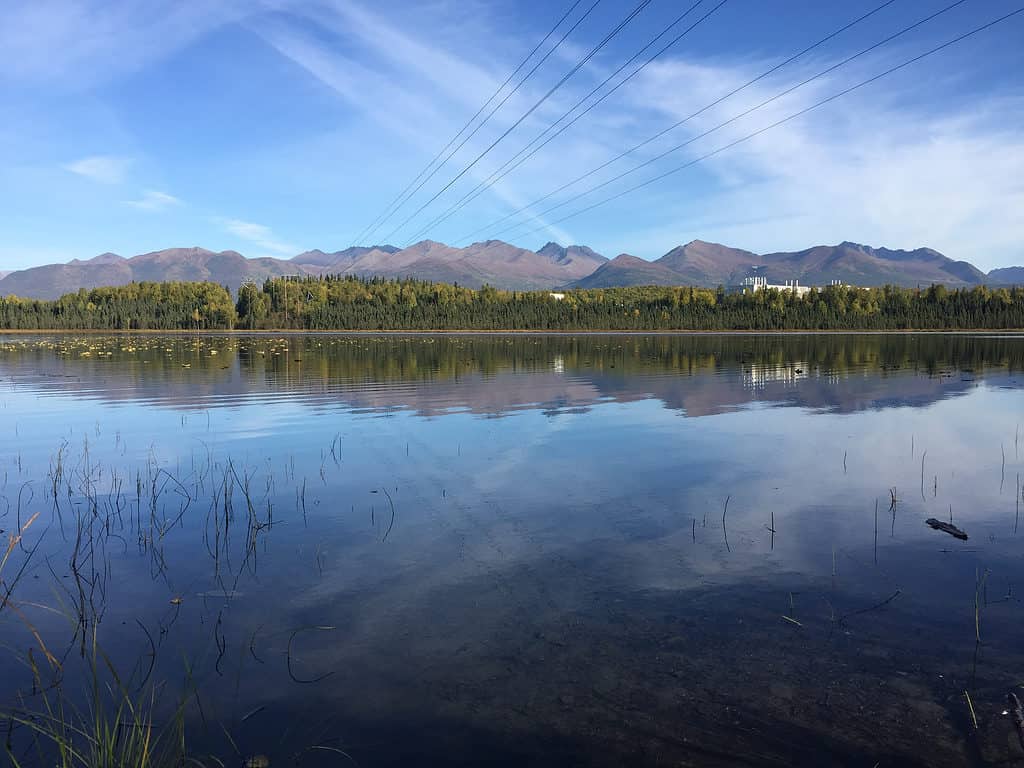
x,y
170,306
374,304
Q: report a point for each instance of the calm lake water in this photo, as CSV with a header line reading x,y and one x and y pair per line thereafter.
x,y
529,550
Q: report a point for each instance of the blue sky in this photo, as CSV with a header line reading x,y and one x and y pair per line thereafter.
x,y
276,126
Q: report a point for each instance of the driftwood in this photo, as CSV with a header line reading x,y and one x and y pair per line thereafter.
x,y
949,528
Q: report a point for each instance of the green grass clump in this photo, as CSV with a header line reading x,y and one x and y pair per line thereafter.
x,y
114,729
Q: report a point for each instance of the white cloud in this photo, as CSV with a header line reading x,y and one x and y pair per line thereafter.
x,y
422,93
868,167
459,79
152,200
875,166
107,169
83,42
260,235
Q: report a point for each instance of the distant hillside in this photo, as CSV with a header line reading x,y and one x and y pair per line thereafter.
x,y
340,259
628,270
863,265
581,256
502,265
493,262
192,264
710,264
1006,276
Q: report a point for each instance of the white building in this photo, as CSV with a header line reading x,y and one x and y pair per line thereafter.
x,y
760,375
760,283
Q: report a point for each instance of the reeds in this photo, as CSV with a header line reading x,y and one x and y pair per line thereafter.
x,y
116,728
725,533
980,580
113,722
876,533
14,541
970,708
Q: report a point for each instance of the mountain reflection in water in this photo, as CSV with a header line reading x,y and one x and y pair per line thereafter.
x,y
432,375
498,550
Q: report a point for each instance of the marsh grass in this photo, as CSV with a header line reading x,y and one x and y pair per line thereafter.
x,y
77,710
115,728
13,541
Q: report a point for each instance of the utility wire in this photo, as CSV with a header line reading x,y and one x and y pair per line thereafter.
x,y
793,116
742,114
672,127
518,159
593,51
398,202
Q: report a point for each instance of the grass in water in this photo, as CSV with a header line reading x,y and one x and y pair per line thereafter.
x,y
116,728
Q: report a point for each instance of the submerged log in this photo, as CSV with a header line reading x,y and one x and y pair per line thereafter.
x,y
949,528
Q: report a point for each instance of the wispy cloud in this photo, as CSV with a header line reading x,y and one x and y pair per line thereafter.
x,y
259,235
913,160
953,180
428,92
153,200
107,169
71,41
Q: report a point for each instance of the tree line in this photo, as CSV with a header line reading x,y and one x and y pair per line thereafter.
x,y
352,303
167,306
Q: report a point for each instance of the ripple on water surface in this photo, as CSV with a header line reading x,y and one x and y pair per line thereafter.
x,y
544,550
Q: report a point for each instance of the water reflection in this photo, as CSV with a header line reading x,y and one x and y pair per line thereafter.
x,y
589,580
432,375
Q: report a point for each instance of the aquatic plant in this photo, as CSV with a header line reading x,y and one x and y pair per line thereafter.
x,y
116,728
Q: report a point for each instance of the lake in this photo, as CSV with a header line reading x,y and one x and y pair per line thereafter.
x,y
385,550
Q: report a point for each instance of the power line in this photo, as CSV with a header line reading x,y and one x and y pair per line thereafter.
x,y
388,212
741,115
518,159
793,116
593,51
672,127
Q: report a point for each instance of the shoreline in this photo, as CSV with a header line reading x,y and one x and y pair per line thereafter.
x,y
509,332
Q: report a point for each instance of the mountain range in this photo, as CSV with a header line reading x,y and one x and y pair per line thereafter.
x,y
701,263
502,265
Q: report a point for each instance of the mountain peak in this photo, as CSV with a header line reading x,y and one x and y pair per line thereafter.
x,y
498,263
626,269
314,253
103,258
191,252
572,254
552,250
